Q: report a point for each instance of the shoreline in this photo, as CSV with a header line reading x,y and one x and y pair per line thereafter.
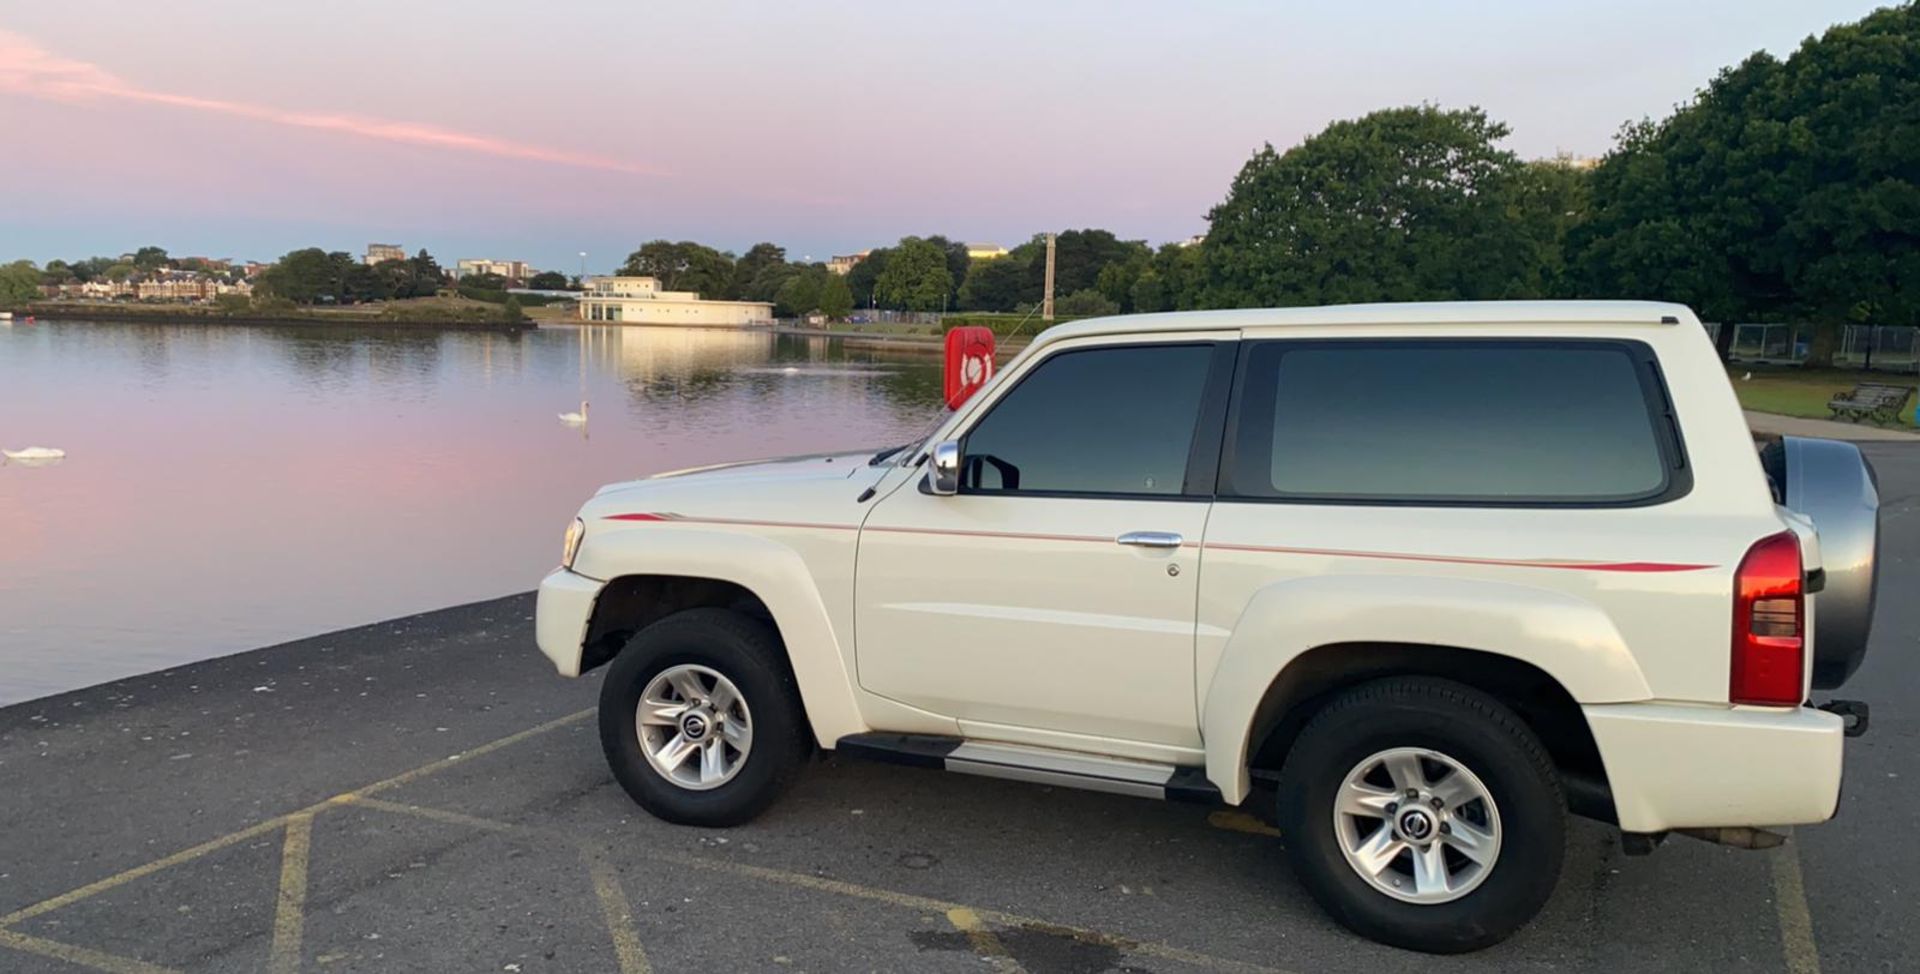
x,y
166,316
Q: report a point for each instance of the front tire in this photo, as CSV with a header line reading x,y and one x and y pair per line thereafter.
x,y
700,719
1424,814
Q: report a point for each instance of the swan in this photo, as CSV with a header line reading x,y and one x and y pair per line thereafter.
x,y
34,453
576,419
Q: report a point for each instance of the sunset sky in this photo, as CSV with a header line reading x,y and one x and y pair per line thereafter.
x,y
535,131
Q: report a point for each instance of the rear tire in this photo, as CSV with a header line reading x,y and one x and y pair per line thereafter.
x,y
722,733
1456,877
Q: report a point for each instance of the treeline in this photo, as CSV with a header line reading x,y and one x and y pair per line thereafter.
x,y
1786,190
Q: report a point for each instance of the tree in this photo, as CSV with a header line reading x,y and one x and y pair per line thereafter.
x,y
1404,204
427,275
150,259
510,311
958,264
302,277
836,298
57,272
1000,284
484,282
1786,190
760,272
916,277
683,266
1079,256
19,284
548,281
1087,303
119,271
865,274
800,294
1552,197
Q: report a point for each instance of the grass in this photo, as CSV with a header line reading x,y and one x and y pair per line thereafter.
x,y
1791,391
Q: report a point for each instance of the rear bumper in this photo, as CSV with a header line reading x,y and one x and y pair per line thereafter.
x,y
561,612
1673,766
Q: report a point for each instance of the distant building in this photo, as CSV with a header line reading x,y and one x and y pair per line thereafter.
x,y
843,264
639,301
512,270
1194,241
253,268
985,251
377,252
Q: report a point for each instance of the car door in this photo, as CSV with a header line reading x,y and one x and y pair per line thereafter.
x,y
1054,594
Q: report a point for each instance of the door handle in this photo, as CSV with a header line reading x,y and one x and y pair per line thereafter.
x,y
1150,539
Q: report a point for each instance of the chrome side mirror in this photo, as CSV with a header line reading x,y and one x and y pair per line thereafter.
x,y
944,476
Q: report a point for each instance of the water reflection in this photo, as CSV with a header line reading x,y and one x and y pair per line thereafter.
x,y
230,487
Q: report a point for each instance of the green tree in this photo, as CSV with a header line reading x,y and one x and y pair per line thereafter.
x,y
57,272
865,274
958,264
510,311
683,266
548,281
916,278
19,284
150,259
1786,190
800,294
302,277
1079,256
1553,196
760,272
836,298
1086,302
484,282
119,271
428,276
1404,204
1000,284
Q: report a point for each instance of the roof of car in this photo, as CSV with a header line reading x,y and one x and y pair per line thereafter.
x,y
1432,312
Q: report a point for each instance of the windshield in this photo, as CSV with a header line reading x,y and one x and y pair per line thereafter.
x,y
904,453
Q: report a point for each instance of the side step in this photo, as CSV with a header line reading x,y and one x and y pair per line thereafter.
x,y
1039,765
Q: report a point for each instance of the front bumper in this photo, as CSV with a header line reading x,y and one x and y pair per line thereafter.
x,y
1674,766
560,616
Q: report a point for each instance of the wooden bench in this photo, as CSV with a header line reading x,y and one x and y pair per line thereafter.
x,y
1871,400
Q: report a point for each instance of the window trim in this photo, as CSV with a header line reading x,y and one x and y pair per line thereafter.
x,y
1203,453
1676,482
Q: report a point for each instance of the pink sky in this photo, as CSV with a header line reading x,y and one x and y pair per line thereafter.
x,y
536,131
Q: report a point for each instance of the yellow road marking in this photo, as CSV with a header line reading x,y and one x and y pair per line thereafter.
x,y
619,917
290,915
262,828
984,942
121,879
1796,923
442,815
80,956
445,763
923,904
1241,822
929,905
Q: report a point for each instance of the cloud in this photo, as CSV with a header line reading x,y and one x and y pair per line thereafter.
x,y
28,69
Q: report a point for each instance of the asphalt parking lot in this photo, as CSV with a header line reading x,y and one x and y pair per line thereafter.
x,y
424,795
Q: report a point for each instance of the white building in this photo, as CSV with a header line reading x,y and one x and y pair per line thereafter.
x,y
512,270
639,301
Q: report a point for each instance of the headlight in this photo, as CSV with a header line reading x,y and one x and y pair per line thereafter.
x,y
576,533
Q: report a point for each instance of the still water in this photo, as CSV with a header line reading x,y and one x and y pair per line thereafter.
x,y
229,487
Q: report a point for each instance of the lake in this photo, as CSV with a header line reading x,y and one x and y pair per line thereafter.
x,y
231,487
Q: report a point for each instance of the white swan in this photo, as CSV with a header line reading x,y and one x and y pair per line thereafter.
x,y
576,419
34,453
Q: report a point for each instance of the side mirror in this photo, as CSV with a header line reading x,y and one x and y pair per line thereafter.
x,y
944,476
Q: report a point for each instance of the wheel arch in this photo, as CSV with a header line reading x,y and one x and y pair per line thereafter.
x,y
1547,708
1300,639
668,571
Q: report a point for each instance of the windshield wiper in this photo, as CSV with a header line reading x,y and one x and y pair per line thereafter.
x,y
882,456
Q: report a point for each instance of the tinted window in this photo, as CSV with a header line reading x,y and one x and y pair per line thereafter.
x,y
1459,421
1104,421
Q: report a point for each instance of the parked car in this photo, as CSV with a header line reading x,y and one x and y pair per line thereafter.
x,y
1414,580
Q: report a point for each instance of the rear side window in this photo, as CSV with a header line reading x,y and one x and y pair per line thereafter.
x,y
1118,420
1454,422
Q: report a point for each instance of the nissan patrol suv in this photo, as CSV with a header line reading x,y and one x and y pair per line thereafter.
x,y
1414,581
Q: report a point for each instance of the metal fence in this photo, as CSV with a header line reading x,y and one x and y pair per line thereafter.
x,y
1883,348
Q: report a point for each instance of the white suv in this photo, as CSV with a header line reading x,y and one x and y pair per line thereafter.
x,y
1426,577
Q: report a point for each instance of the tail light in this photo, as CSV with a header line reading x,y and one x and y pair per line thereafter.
x,y
1769,624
